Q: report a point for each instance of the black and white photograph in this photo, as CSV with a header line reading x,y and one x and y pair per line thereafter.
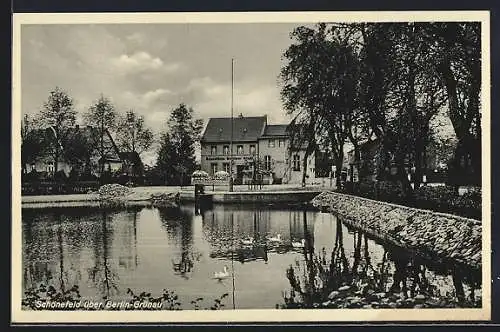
x,y
190,167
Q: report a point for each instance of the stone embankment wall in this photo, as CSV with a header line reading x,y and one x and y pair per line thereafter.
x,y
439,236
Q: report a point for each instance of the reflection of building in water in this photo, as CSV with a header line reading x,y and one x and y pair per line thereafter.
x,y
124,245
257,226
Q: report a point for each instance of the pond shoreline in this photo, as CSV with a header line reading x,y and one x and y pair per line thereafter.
x,y
142,196
441,237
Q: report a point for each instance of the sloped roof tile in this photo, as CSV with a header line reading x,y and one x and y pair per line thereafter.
x,y
245,129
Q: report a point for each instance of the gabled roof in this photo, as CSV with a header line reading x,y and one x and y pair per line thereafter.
x,y
276,130
131,156
245,129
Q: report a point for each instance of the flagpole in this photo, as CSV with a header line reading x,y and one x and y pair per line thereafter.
x,y
231,181
231,146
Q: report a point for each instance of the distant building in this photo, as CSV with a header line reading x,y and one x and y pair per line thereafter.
x,y
257,145
132,164
369,154
114,161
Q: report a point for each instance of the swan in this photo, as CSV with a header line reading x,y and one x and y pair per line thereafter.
x,y
222,275
300,244
275,238
247,241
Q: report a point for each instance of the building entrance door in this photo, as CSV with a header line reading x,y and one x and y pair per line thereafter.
x,y
239,174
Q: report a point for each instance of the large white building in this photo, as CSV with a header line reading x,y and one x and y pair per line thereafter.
x,y
256,145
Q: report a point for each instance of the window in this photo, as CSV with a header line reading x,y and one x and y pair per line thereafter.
x,y
296,162
239,149
280,143
252,149
213,149
225,167
267,163
50,167
271,143
213,166
226,149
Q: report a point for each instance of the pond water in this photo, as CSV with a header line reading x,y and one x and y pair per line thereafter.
x,y
105,252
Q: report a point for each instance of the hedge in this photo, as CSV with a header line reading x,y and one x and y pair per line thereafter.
x,y
440,198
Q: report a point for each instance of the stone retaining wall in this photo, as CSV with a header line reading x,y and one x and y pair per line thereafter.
x,y
438,235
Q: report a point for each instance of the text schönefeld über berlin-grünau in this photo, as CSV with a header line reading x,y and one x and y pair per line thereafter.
x,y
98,305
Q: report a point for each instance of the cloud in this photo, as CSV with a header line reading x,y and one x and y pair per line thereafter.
x,y
137,62
210,98
136,38
152,96
131,65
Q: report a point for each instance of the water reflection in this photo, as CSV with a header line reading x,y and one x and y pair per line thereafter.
x,y
249,235
313,257
398,279
179,226
63,248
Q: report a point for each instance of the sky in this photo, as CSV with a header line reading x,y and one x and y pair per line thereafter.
x,y
151,68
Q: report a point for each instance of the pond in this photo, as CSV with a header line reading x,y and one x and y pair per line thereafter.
x,y
281,257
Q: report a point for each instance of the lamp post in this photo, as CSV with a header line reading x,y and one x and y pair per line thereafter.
x,y
231,145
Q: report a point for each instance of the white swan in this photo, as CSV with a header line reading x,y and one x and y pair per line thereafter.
x,y
222,275
247,241
275,238
300,244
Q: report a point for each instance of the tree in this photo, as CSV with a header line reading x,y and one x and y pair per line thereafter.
x,y
132,134
459,58
35,144
176,156
58,114
101,115
80,148
320,88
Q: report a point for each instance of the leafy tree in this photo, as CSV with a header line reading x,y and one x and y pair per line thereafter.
x,y
176,156
460,69
320,88
101,115
132,134
348,82
80,149
58,113
35,144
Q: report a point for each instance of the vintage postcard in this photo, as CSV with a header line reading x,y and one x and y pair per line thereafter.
x,y
251,167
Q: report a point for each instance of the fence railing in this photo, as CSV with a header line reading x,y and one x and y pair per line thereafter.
x,y
52,187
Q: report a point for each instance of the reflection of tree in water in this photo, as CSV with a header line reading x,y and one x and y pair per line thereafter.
x,y
179,226
399,280
102,275
38,253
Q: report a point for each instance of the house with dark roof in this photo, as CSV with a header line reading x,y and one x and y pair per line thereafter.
x,y
132,165
78,150
256,146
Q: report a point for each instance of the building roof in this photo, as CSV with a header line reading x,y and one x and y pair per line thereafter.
x,y
132,157
245,129
276,130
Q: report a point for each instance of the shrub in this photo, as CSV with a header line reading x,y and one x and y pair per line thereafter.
x,y
441,198
366,189
390,192
469,204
